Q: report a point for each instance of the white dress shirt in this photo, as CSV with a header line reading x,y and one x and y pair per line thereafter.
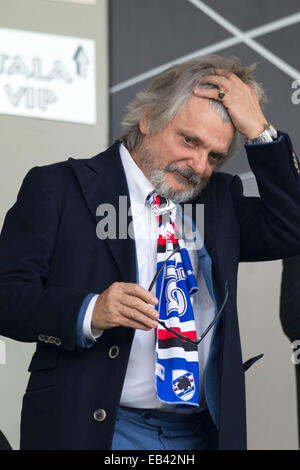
x,y
139,385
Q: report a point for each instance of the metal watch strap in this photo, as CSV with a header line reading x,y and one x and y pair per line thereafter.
x,y
268,135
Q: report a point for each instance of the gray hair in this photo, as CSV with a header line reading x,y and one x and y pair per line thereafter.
x,y
170,90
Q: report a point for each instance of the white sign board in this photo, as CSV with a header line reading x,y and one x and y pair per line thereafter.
x,y
47,76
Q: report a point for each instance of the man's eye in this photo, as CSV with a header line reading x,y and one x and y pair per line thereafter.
x,y
188,140
217,157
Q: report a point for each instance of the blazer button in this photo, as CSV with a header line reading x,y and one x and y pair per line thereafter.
x,y
99,415
41,337
51,339
57,341
113,352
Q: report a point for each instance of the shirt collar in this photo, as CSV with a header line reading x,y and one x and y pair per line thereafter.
x,y
139,186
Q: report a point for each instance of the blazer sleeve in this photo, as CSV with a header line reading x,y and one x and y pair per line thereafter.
x,y
270,224
30,310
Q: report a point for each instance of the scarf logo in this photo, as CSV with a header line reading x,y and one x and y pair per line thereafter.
x,y
183,384
176,299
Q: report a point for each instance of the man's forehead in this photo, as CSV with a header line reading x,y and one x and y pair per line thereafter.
x,y
197,103
203,123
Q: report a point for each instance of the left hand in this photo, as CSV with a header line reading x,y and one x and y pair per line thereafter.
x,y
240,100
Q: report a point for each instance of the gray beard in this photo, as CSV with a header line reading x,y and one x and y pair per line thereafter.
x,y
157,177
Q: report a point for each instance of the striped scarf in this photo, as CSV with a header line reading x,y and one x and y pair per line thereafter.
x,y
177,373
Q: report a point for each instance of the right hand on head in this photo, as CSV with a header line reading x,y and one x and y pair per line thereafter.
x,y
125,304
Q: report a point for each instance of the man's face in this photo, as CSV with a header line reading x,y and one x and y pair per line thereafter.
x,y
180,159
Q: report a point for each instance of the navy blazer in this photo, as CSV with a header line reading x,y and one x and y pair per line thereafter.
x,y
51,259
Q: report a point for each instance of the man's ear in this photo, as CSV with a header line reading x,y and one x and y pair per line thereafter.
x,y
144,122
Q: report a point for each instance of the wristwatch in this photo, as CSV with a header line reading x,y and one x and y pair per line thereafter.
x,y
268,135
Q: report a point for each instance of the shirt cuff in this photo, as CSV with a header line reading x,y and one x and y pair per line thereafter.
x,y
84,335
89,332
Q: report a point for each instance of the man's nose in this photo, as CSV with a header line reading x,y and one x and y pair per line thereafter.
x,y
199,164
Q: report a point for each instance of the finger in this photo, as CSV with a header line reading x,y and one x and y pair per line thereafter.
x,y
127,323
140,305
132,315
220,71
208,93
138,291
224,73
228,74
218,80
136,325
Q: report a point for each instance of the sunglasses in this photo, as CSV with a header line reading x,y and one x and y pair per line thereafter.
x,y
179,335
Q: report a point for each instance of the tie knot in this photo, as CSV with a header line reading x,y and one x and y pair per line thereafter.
x,y
161,205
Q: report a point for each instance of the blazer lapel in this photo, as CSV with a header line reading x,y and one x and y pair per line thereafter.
x,y
102,180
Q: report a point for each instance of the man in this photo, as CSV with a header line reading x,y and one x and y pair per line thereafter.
x,y
101,376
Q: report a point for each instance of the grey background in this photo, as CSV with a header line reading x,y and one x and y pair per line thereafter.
x,y
145,35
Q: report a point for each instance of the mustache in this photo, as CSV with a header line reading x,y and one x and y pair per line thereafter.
x,y
190,175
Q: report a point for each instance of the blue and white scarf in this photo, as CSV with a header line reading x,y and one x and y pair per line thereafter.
x,y
177,373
